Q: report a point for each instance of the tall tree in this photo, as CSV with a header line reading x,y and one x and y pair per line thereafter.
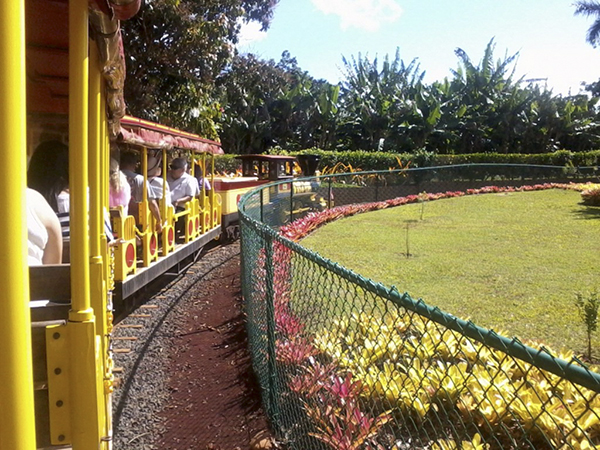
x,y
374,100
590,8
492,101
174,52
268,104
247,88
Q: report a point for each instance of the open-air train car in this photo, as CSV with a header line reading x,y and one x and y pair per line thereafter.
x,y
158,252
61,78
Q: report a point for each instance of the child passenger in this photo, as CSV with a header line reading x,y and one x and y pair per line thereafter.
x,y
120,191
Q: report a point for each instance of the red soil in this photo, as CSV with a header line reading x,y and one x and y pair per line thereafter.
x,y
215,401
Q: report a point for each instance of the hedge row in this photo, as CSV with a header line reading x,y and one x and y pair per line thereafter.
x,y
382,161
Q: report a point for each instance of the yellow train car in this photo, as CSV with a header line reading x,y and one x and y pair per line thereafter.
x,y
136,266
61,78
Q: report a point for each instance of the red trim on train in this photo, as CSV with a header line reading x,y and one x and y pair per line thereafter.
x,y
228,184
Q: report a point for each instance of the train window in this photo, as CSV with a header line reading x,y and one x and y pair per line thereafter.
x,y
264,170
289,168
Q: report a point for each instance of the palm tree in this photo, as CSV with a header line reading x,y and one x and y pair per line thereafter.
x,y
590,8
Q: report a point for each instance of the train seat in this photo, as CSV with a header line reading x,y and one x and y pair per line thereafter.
x,y
50,292
190,218
125,247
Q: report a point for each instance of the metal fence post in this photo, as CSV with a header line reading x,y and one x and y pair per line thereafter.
x,y
330,192
291,201
262,212
270,307
376,188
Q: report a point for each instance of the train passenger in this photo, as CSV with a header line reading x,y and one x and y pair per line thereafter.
x,y
48,174
155,189
44,237
201,179
183,186
119,189
129,163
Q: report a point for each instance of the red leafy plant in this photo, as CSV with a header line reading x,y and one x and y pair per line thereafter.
x,y
312,378
339,420
591,197
294,351
286,322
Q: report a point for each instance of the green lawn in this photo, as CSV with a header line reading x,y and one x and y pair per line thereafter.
x,y
512,261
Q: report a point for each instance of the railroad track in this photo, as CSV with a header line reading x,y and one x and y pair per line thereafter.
x,y
140,342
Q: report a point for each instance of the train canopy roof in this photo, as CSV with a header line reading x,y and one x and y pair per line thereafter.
x,y
47,57
152,135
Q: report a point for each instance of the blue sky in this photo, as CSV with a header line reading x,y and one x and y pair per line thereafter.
x,y
550,40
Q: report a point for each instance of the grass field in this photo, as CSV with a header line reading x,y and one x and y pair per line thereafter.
x,y
511,261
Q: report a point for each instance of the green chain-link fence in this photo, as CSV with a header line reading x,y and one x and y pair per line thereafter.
x,y
347,363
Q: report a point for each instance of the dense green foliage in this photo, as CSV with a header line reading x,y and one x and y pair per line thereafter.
x,y
482,108
174,51
364,161
183,71
270,104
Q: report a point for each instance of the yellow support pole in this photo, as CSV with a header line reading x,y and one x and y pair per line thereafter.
x,y
78,158
213,223
105,145
17,423
84,370
144,220
104,171
98,173
163,203
203,176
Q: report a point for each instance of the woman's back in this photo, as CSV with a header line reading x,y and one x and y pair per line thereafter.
x,y
44,243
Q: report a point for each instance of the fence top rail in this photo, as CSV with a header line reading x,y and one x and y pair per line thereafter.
x,y
321,178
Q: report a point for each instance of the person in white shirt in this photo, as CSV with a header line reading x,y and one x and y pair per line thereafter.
x,y
128,165
129,162
155,180
184,187
44,237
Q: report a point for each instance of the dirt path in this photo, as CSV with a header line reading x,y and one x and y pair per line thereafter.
x,y
215,402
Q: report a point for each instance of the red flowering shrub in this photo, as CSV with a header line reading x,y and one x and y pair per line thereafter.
x,y
591,197
307,224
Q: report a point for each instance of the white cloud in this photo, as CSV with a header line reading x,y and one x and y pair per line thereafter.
x,y
363,14
249,33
